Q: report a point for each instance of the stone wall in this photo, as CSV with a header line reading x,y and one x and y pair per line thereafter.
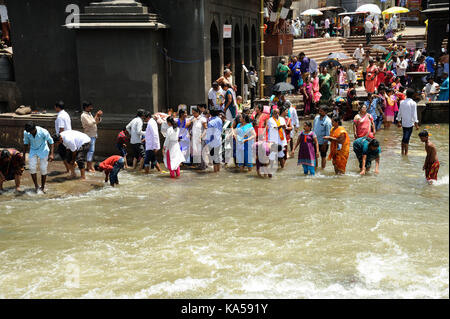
x,y
44,52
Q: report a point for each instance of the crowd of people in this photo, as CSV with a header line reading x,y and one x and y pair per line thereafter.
x,y
327,27
227,132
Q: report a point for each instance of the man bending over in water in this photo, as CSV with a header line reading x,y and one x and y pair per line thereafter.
x,y
111,166
431,165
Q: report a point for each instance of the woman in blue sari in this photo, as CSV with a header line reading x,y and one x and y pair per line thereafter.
x,y
295,73
245,137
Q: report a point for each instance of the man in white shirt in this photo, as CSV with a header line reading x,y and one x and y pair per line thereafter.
x,y
346,25
62,123
351,74
216,97
152,145
431,90
368,29
407,118
77,146
136,133
327,24
401,69
277,135
359,54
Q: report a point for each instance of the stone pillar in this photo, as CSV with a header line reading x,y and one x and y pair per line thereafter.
x,y
437,14
120,53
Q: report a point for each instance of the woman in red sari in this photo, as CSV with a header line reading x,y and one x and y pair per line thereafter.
x,y
260,117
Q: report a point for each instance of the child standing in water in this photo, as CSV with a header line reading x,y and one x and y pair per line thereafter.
x,y
309,149
431,165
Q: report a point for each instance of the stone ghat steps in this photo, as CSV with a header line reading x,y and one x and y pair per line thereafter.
x,y
319,49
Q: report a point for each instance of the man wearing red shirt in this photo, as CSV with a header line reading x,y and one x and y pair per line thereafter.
x,y
111,166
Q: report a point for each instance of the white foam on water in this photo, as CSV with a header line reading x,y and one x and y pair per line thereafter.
x,y
168,288
441,181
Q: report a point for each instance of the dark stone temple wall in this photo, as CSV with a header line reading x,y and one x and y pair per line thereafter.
x,y
45,61
130,76
48,68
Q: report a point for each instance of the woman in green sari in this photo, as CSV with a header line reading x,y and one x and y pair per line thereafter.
x,y
325,82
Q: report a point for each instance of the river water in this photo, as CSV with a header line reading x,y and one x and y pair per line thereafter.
x,y
236,236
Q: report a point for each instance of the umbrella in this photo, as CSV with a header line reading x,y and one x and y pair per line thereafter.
x,y
338,55
379,48
372,8
283,87
329,62
395,10
311,12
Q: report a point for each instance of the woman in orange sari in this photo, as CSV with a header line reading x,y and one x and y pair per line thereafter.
x,y
340,145
371,77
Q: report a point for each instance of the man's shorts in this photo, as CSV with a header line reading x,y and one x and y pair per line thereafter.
x,y
81,156
407,132
432,172
138,151
62,151
323,149
150,158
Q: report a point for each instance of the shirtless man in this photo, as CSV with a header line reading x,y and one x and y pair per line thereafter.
x,y
431,165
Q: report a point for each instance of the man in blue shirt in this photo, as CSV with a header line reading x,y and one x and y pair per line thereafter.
x,y
36,140
214,139
322,127
304,66
430,63
367,150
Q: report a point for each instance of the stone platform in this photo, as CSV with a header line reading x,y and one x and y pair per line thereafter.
x,y
11,134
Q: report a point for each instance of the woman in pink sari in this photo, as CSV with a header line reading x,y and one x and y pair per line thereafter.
x,y
363,125
307,92
315,88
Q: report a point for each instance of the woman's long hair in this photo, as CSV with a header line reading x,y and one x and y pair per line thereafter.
x,y
172,122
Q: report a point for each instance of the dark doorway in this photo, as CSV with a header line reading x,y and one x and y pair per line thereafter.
x,y
254,50
215,53
227,54
247,46
238,59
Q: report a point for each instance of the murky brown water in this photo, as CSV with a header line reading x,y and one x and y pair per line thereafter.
x,y
234,235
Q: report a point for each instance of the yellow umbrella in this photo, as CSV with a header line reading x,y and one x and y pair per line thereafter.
x,y
395,10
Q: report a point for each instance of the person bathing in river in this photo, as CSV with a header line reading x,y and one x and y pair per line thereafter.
x,y
111,166
308,154
77,146
431,165
36,140
173,156
340,146
367,150
12,165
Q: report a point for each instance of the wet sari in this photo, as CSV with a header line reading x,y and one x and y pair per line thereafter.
x,y
339,152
